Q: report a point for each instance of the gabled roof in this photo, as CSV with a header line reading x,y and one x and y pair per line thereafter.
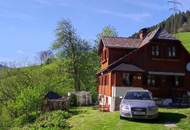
x,y
116,63
127,67
121,42
157,34
137,44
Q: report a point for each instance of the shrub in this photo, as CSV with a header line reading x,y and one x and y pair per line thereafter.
x,y
55,119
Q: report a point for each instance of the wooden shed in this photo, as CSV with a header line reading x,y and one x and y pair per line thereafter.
x,y
83,98
53,101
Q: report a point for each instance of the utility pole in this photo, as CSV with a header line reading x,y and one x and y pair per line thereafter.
x,y
175,9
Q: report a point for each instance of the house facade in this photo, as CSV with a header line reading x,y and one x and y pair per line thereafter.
x,y
156,61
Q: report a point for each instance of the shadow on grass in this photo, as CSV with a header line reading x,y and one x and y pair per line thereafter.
x,y
75,111
164,117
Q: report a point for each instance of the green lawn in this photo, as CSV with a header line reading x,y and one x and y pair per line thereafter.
x,y
90,119
185,38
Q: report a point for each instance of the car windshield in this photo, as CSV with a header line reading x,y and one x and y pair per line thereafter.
x,y
138,96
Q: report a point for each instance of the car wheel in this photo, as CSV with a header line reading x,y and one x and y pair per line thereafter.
x,y
121,117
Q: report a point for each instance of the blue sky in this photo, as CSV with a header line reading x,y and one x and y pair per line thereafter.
x,y
28,26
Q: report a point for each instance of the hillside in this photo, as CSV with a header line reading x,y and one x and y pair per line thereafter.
x,y
185,38
182,23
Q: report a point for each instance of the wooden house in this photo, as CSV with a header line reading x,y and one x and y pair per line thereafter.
x,y
156,61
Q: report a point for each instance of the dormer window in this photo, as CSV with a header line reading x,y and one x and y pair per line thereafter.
x,y
104,56
155,51
172,51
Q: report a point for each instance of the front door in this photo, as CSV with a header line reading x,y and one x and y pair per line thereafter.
x,y
166,86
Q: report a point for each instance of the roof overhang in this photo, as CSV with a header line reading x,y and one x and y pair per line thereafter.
x,y
166,73
127,67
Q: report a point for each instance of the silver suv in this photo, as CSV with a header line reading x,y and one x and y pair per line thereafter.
x,y
138,104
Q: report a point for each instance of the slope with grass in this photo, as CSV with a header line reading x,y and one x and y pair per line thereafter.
x,y
185,38
91,119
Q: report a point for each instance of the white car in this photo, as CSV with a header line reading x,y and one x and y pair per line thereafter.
x,y
138,104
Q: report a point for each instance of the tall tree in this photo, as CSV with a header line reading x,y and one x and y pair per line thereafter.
x,y
107,31
45,55
69,44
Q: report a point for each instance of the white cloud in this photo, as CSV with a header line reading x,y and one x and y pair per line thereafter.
x,y
132,16
51,2
20,52
185,4
148,4
16,15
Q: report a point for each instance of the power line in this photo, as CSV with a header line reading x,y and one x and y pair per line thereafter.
x,y
175,9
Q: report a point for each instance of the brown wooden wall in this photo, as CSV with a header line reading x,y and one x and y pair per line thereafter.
x,y
144,59
116,53
105,88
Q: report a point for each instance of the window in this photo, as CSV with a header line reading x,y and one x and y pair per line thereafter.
x,y
102,80
178,81
155,51
104,56
127,79
151,80
99,80
172,51
105,80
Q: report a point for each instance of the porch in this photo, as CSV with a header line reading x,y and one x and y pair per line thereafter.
x,y
161,84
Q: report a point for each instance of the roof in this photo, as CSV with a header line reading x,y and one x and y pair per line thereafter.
x,y
135,43
121,42
52,95
157,34
127,67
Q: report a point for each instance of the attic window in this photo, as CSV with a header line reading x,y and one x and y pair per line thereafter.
x,y
155,51
104,56
172,51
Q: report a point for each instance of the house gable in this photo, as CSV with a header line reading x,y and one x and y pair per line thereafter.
x,y
112,48
142,57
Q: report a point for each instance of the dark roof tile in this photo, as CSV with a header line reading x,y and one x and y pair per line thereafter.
x,y
127,67
121,42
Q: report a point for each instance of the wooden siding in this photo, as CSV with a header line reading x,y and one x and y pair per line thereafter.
x,y
143,58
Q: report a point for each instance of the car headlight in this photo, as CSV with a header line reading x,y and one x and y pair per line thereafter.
x,y
152,108
125,108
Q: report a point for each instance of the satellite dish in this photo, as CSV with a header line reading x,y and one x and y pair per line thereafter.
x,y
188,67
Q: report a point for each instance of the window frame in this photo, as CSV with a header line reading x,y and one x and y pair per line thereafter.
x,y
155,51
171,51
104,56
127,79
151,80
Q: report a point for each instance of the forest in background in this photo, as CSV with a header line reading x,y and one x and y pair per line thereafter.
x,y
177,23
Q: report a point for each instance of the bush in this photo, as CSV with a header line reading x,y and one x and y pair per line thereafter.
x,y
55,119
25,119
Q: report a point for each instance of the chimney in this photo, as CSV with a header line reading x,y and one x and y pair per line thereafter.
x,y
143,33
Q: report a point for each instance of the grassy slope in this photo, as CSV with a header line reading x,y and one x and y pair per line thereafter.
x,y
95,120
185,38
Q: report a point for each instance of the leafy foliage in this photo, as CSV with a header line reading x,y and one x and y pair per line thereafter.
x,y
73,50
22,89
55,120
107,31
